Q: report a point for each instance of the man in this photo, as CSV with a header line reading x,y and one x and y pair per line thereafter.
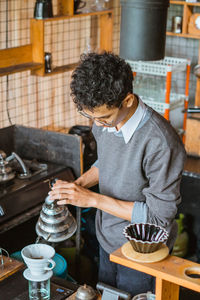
x,y
139,166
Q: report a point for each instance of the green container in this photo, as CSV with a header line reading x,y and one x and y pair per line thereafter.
x,y
180,248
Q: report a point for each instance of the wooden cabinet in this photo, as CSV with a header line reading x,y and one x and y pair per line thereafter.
x,y
31,56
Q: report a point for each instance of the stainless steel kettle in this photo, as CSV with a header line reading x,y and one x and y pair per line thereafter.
x,y
55,223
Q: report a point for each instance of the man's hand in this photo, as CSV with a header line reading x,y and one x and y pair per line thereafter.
x,y
73,193
89,178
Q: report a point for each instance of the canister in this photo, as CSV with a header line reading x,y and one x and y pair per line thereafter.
x,y
177,24
48,62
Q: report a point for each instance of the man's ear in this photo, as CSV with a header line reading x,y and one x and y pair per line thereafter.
x,y
129,100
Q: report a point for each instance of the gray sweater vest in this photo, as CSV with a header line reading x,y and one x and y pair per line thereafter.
x,y
146,170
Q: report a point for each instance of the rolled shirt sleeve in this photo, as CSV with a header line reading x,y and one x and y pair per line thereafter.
x,y
163,170
139,213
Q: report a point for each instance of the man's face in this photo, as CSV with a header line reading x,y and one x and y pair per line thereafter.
x,y
106,117
112,116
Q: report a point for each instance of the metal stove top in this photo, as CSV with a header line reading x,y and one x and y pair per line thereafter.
x,y
38,170
21,199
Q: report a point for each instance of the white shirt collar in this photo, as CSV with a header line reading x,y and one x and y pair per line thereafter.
x,y
131,125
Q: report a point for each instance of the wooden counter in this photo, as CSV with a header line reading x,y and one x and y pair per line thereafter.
x,y
192,167
170,273
9,266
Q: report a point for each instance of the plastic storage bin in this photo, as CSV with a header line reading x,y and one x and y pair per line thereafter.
x,y
165,68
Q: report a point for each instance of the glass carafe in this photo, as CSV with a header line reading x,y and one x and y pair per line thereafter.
x,y
39,290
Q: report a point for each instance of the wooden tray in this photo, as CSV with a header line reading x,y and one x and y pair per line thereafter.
x,y
129,252
9,267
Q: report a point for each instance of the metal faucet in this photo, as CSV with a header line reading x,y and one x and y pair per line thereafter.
x,y
26,173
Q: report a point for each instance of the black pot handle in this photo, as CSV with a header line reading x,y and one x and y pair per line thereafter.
x,y
192,110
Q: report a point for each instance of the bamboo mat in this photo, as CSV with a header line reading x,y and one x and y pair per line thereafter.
x,y
158,255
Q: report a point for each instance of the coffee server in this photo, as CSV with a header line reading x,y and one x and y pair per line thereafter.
x,y
43,9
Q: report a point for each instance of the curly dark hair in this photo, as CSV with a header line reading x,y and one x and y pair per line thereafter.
x,y
101,79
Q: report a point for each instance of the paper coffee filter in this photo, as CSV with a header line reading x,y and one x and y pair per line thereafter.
x,y
38,251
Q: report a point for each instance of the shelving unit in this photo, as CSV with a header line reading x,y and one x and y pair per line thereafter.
x,y
188,8
187,13
37,38
31,56
165,68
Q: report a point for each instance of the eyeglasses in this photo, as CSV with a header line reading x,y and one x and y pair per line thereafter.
x,y
109,124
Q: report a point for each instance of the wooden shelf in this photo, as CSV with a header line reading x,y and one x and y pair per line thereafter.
x,y
59,69
63,17
17,59
185,35
185,3
19,68
178,2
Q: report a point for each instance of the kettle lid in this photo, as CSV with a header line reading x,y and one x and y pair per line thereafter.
x,y
85,292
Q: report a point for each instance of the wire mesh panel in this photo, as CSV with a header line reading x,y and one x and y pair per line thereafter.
x,y
43,101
